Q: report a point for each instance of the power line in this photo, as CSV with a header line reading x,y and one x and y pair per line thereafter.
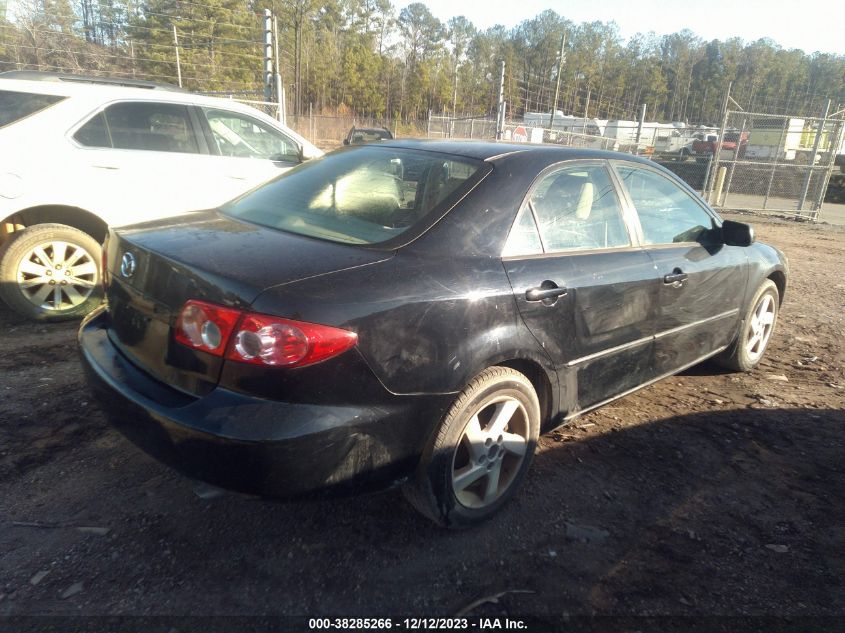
x,y
171,17
138,59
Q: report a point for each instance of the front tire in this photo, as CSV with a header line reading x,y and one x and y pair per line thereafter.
x,y
481,451
51,272
756,330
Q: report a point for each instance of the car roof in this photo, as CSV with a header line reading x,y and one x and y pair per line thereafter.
x,y
106,88
38,75
496,150
89,93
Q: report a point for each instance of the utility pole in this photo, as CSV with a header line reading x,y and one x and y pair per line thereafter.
x,y
455,95
557,85
277,76
640,124
178,63
268,55
500,114
587,107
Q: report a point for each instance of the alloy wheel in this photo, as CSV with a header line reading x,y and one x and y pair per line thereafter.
x,y
488,456
760,327
57,275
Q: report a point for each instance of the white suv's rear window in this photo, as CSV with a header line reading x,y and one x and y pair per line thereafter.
x,y
17,105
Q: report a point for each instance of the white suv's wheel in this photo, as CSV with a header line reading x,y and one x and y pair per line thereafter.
x,y
51,272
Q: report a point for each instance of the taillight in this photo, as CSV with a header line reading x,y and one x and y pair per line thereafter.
x,y
206,326
267,340
258,339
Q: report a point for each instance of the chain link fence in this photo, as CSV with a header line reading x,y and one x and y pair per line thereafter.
x,y
254,98
774,163
325,131
756,162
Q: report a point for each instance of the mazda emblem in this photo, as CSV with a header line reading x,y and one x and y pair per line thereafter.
x,y
128,265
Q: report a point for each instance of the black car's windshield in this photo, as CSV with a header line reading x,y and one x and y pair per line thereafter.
x,y
364,196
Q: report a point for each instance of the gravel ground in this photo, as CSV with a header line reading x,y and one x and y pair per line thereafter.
x,y
708,494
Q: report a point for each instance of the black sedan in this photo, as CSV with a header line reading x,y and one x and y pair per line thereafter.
x,y
417,313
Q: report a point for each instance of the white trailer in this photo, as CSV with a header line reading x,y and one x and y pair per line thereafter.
x,y
775,139
624,133
562,123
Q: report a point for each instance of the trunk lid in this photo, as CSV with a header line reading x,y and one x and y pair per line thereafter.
x,y
209,257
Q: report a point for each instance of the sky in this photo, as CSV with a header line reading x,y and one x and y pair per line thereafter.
x,y
810,25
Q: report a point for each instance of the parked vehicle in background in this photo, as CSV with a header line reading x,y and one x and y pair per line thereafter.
x,y
677,143
80,154
789,140
778,139
417,312
625,133
564,123
361,135
707,147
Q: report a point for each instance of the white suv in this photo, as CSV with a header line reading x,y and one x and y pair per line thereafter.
x,y
79,154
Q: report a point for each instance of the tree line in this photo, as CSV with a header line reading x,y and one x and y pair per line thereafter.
x,y
366,57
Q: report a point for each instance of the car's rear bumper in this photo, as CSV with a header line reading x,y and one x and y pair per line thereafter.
x,y
253,445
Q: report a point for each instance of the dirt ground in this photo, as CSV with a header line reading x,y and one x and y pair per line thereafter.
x,y
708,494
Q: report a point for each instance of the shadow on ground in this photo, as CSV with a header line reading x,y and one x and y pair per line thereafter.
x,y
731,512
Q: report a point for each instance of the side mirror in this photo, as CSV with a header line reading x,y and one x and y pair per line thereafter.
x,y
737,233
346,141
307,153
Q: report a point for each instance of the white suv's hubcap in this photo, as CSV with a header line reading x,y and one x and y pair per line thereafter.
x,y
490,452
57,275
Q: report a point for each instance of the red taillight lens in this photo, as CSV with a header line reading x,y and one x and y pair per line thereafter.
x,y
206,326
267,340
259,339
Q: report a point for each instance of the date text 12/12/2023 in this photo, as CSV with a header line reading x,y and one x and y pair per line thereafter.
x,y
418,624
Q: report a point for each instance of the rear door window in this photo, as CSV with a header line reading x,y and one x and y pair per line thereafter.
x,y
95,133
576,208
14,106
141,125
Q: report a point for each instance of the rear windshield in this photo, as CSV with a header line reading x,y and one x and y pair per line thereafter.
x,y
363,196
17,105
366,136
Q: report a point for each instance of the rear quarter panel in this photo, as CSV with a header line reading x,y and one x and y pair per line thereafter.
x,y
424,326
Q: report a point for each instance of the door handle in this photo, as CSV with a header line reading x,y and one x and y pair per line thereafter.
x,y
676,278
110,167
544,293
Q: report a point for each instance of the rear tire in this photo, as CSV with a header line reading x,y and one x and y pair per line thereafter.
x,y
755,330
51,272
481,451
